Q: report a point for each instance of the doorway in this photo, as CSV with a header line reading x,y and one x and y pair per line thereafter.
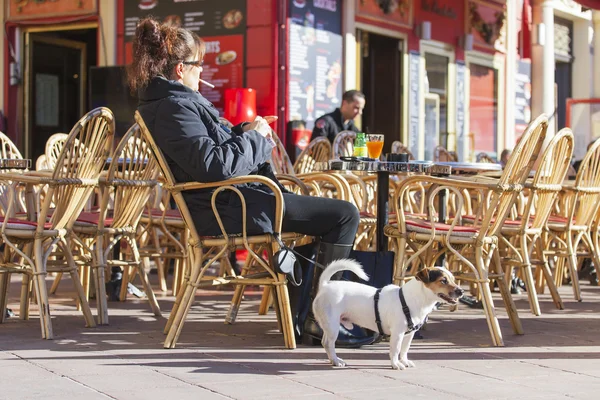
x,y
381,82
562,77
55,83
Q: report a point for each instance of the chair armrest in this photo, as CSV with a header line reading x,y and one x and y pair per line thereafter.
x,y
228,184
295,182
317,181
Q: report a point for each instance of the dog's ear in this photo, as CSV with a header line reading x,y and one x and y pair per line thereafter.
x,y
423,275
434,274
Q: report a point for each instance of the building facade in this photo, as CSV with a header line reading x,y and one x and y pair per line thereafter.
x,y
464,74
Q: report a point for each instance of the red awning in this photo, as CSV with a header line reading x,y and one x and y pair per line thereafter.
x,y
594,4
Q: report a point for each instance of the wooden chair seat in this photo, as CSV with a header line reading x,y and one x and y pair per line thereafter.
x,y
17,223
91,218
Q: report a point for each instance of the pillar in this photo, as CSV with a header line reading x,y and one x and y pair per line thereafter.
x,y
542,63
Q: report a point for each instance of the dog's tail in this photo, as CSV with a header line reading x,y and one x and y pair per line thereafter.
x,y
342,265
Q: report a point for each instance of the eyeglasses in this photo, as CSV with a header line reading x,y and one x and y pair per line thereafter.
x,y
198,63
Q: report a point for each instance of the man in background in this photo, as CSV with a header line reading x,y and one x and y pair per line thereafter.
x,y
341,119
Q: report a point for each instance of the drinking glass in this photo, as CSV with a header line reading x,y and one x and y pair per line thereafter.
x,y
375,145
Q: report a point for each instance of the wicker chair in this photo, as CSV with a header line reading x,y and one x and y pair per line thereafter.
x,y
280,161
484,158
471,246
54,145
69,186
570,230
343,144
205,250
520,236
441,154
131,175
318,150
399,148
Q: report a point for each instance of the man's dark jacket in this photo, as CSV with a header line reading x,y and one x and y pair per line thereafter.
x,y
329,125
198,148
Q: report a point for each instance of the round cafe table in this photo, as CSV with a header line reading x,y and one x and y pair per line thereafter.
x,y
383,170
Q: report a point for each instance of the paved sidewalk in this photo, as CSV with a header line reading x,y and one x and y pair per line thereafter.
x,y
558,357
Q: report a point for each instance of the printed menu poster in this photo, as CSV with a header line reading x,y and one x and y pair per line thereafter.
x,y
221,24
315,59
522,96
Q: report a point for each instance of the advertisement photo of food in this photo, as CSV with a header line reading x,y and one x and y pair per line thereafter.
x,y
226,57
147,4
174,20
232,19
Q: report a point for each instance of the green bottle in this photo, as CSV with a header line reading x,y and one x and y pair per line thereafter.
x,y
360,146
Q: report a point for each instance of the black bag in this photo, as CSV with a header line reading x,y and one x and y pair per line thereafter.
x,y
379,265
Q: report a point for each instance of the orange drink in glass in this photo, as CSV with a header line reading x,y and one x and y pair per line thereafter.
x,y
375,145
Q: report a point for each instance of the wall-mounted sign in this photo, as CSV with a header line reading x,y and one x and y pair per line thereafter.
x,y
486,22
414,77
399,12
30,9
221,24
439,7
315,59
522,96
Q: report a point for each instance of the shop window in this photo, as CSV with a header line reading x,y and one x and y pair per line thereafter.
x,y
436,67
483,108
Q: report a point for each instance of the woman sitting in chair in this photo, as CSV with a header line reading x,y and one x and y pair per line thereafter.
x,y
166,67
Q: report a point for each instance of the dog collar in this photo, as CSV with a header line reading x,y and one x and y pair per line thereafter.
x,y
411,327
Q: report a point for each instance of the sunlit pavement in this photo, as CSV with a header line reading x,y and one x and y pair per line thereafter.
x,y
558,357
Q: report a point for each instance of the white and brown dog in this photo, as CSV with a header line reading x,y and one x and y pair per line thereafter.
x,y
394,311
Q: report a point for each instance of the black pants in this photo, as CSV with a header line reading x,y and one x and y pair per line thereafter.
x,y
333,221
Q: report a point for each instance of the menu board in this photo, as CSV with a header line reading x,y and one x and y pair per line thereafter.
x,y
414,74
221,24
522,96
315,59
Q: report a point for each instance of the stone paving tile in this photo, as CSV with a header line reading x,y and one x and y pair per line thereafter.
x,y
557,358
263,388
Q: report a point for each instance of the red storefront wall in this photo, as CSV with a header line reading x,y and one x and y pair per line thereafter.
x,y
260,68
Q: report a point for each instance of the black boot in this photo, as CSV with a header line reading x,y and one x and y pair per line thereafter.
x,y
312,332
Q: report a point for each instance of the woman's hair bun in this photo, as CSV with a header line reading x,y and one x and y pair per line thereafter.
x,y
149,33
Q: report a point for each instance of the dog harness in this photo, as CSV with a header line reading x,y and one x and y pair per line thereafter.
x,y
411,327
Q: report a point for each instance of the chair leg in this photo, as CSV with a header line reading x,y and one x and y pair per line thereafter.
x,y
547,274
4,283
572,265
238,293
400,262
26,286
509,303
194,257
486,299
594,252
99,279
534,303
39,271
266,300
187,298
124,283
285,312
144,277
56,282
85,305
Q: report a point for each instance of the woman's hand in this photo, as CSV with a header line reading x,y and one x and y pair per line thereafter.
x,y
269,119
260,125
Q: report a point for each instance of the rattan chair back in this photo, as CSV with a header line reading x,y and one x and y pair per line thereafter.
x,y
343,144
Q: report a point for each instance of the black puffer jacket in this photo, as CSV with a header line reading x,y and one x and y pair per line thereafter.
x,y
186,127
